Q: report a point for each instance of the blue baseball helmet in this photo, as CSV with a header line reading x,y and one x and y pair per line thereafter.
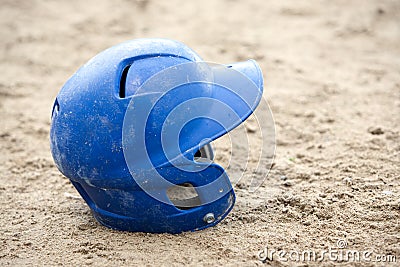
x,y
132,130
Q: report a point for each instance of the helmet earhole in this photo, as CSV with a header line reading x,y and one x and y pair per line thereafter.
x,y
183,196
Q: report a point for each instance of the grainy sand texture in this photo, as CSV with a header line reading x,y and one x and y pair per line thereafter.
x,y
332,80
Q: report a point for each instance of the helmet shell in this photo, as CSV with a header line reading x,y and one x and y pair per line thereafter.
x,y
87,143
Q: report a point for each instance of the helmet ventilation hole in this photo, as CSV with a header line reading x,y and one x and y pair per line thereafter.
x,y
183,196
122,82
56,108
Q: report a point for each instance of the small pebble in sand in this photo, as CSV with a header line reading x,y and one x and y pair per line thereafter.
x,y
347,181
375,130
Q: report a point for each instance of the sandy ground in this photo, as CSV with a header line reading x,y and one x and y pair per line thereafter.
x,y
332,78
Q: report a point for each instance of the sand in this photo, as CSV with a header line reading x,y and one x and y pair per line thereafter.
x,y
332,79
